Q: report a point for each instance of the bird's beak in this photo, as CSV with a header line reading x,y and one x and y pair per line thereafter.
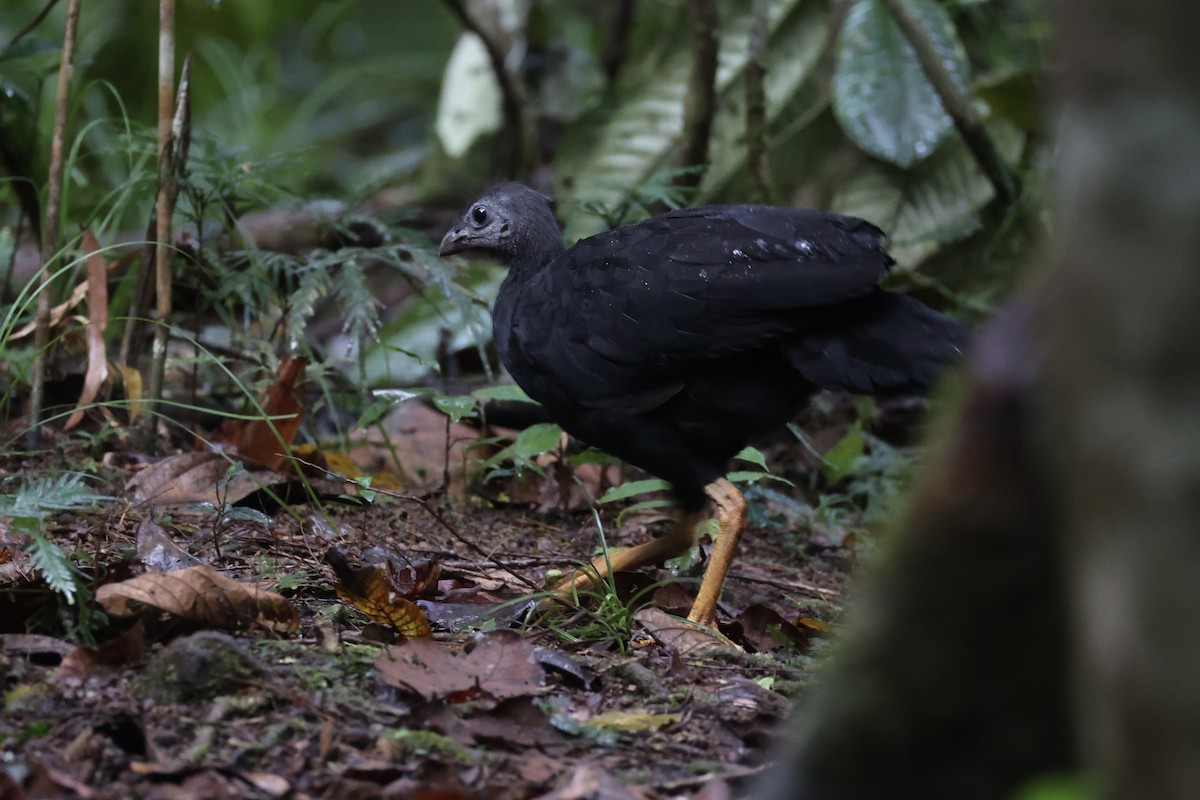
x,y
455,241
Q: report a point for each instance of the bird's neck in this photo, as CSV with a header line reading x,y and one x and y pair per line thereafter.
x,y
538,243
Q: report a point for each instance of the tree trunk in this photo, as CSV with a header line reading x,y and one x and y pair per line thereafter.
x,y
1123,374
954,677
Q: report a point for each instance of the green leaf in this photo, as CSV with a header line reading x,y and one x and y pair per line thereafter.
x,y
537,439
373,413
752,476
754,456
880,93
407,344
455,406
39,497
1057,786
632,489
247,515
644,505
592,455
842,459
507,391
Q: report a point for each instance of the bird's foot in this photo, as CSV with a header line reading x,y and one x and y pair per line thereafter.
x,y
705,617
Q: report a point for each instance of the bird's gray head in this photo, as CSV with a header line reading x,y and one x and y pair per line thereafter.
x,y
510,221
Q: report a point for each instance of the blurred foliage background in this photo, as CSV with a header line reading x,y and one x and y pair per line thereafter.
x,y
392,113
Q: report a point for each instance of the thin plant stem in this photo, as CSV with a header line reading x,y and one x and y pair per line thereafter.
x,y
50,239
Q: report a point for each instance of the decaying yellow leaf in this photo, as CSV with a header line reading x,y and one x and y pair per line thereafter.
x,y
371,591
633,721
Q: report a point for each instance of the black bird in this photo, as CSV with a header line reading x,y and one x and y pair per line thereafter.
x,y
672,342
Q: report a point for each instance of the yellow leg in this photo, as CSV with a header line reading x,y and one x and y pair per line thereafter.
x,y
677,540
731,519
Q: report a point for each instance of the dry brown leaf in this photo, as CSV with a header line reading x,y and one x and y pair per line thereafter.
x,y
765,630
502,665
414,436
371,591
57,314
128,648
685,638
97,321
201,594
265,441
592,781
196,478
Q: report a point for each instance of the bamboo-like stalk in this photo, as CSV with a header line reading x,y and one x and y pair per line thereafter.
x,y
164,206
757,159
41,337
702,89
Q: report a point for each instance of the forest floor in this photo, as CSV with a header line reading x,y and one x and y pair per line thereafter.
x,y
218,690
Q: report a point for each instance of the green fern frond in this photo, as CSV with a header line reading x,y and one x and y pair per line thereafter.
x,y
54,566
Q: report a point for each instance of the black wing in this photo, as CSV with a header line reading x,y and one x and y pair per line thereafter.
x,y
698,284
626,316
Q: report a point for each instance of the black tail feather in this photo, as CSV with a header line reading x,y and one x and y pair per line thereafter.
x,y
886,342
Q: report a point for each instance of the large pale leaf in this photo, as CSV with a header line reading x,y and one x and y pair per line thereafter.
x,y
470,102
603,161
880,94
469,106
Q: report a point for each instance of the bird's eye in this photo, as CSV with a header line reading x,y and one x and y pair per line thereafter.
x,y
479,215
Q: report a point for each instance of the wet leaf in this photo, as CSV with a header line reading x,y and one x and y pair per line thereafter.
x,y
881,96
507,391
457,407
678,634
537,439
754,456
